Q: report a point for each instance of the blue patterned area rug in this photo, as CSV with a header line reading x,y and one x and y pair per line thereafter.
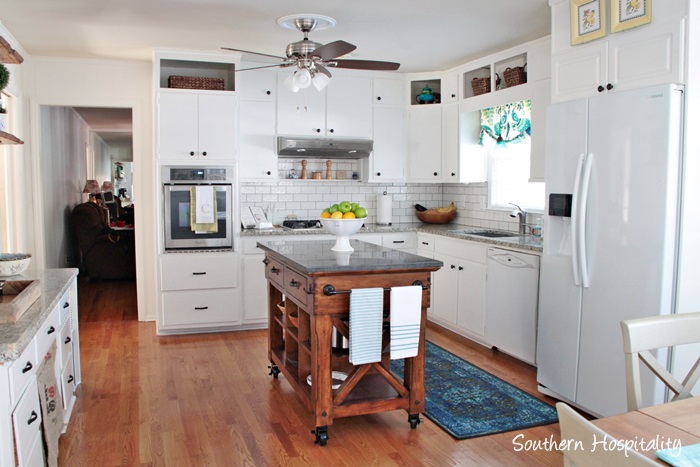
x,y
468,402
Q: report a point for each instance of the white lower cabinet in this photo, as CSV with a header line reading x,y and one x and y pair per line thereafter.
x,y
459,287
199,291
20,408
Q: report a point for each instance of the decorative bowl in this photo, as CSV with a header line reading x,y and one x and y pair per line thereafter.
x,y
433,216
342,229
337,378
12,264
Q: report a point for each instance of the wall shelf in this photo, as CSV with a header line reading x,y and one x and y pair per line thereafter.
x,y
7,138
8,54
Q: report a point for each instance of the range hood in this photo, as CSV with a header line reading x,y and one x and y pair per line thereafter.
x,y
323,148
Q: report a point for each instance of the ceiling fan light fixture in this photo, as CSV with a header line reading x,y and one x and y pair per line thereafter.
x,y
302,78
289,83
320,81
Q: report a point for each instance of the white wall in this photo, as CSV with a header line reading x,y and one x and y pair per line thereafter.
x,y
103,83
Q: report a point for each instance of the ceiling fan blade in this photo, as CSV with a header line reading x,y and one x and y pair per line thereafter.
x,y
332,50
255,53
366,65
322,69
259,67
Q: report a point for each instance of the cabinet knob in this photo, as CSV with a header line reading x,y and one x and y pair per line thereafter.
x,y
268,92
269,173
32,418
70,379
67,341
435,173
332,130
27,367
601,89
379,98
460,268
452,266
191,153
204,153
454,95
66,305
453,174
609,86
318,130
51,330
379,174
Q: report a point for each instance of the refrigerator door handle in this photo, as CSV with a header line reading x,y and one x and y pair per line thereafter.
x,y
582,220
575,221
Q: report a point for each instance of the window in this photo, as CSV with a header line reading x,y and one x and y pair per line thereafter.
x,y
505,135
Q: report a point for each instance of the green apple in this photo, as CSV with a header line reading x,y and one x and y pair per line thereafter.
x,y
344,207
333,208
354,206
360,213
328,210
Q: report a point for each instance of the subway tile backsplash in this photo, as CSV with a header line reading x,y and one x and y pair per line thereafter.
x,y
307,198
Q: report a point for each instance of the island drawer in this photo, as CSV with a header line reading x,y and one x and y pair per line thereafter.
x,y
22,370
295,285
47,334
274,271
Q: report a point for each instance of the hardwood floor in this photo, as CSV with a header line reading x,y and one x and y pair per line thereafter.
x,y
207,399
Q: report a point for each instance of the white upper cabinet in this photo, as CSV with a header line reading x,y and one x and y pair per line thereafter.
x,y
342,110
386,91
644,56
450,143
197,125
256,144
387,161
258,85
425,143
450,88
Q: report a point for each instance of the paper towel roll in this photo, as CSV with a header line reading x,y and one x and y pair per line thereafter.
x,y
384,202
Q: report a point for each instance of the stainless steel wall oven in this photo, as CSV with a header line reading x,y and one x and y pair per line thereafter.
x,y
198,208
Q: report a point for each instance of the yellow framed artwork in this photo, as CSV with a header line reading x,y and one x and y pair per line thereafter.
x,y
628,14
587,20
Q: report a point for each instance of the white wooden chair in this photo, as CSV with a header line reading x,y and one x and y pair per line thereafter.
x,y
641,336
579,435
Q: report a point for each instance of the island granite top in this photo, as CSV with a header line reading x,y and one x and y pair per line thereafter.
x,y
14,338
317,257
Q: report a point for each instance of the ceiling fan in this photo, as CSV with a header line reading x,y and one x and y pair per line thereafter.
x,y
312,59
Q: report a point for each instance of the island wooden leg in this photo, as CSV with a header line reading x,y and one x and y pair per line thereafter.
x,y
322,327
414,377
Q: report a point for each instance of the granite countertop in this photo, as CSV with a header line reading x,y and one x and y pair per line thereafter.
x,y
317,257
522,242
14,338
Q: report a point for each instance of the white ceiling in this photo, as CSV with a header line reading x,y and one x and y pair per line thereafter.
x,y
422,36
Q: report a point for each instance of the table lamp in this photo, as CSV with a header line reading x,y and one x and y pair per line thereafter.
x,y
92,188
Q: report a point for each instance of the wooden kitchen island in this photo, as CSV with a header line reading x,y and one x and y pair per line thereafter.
x,y
315,284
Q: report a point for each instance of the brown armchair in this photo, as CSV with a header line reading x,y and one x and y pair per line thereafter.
x,y
104,253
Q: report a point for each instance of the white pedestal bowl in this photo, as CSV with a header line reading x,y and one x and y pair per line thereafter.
x,y
342,229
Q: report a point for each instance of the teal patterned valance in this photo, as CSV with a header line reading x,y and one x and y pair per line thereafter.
x,y
509,123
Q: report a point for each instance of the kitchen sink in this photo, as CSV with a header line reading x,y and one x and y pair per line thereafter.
x,y
485,233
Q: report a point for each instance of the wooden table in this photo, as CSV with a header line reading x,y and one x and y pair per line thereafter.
x,y
315,283
672,422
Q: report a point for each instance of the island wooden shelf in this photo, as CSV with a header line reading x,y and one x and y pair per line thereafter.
x,y
314,285
7,138
8,54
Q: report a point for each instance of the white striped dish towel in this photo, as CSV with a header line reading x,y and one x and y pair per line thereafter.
x,y
405,320
366,314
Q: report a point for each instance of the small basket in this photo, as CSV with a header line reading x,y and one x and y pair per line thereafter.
x,y
483,85
196,82
515,76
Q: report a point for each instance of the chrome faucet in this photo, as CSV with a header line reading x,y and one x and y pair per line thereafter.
x,y
522,217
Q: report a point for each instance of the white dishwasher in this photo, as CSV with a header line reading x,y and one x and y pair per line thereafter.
x,y
512,282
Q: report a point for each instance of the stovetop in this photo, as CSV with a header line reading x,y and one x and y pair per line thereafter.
x,y
298,224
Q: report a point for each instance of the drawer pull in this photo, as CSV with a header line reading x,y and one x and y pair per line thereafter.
x,y
201,308
266,261
399,241
294,283
32,418
51,330
27,367
67,341
199,273
425,243
70,379
275,270
66,305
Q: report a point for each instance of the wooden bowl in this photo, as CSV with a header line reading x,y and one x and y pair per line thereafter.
x,y
433,216
294,319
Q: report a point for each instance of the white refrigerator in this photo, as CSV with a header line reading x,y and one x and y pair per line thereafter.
x,y
611,231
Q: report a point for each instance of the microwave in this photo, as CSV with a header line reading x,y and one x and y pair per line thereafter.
x,y
182,206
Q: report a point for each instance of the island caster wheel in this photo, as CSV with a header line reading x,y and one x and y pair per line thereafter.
x,y
321,433
414,420
274,371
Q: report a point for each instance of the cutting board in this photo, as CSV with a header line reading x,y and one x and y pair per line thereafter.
x,y
16,298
